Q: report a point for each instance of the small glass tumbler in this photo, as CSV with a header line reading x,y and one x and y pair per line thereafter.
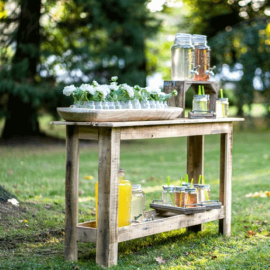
x,y
98,105
152,104
111,105
168,195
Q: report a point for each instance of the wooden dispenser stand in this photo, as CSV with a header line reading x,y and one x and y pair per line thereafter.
x,y
211,88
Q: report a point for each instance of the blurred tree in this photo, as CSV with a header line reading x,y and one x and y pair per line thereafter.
x,y
45,44
237,35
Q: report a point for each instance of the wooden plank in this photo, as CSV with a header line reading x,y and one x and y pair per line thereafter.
x,y
225,192
195,164
88,133
149,123
108,188
71,193
89,235
159,225
167,224
148,132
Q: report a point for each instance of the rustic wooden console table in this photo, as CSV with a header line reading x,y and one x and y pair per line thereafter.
x,y
109,134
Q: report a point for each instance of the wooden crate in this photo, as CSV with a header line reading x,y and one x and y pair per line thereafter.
x,y
211,88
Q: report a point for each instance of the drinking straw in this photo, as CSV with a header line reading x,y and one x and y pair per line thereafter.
x,y
199,91
168,180
191,183
221,93
186,180
203,90
200,177
222,105
181,181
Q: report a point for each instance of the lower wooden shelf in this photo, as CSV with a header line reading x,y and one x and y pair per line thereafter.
x,y
87,232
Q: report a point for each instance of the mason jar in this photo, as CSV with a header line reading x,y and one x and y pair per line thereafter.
x,y
136,104
165,104
192,197
117,105
111,105
145,104
182,58
91,105
137,203
128,104
199,104
98,105
222,107
78,104
203,192
180,196
168,195
152,104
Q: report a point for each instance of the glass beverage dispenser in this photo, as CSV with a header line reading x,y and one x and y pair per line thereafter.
x,y
182,58
202,58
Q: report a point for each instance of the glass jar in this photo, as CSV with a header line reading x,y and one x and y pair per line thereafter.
x,y
78,104
117,105
124,202
123,105
165,104
182,58
136,104
158,106
98,105
202,57
152,104
192,197
203,192
129,104
145,104
199,104
168,195
105,105
222,108
91,105
111,105
137,203
180,196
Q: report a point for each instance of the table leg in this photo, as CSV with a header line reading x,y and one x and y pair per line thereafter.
x,y
195,165
108,189
225,188
71,193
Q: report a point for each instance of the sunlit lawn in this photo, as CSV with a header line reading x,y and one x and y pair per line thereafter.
x,y
32,238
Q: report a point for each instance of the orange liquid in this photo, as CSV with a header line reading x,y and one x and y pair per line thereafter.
x,y
202,58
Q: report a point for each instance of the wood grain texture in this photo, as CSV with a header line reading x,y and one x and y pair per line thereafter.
x,y
148,123
71,193
108,189
225,191
159,225
195,164
148,132
87,115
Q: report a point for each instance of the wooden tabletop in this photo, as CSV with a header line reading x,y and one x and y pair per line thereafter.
x,y
148,123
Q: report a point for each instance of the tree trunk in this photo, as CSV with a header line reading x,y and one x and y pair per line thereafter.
x,y
21,119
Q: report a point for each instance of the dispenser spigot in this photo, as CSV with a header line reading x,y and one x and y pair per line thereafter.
x,y
194,70
210,71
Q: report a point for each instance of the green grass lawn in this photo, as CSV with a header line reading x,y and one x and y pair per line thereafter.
x,y
31,237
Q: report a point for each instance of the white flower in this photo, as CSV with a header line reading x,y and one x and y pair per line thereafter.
x,y
115,78
162,94
68,90
152,90
103,89
88,88
95,83
113,86
129,89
